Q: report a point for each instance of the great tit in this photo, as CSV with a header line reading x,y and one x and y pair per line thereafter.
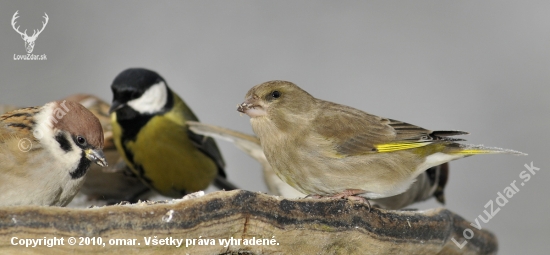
x,y
150,132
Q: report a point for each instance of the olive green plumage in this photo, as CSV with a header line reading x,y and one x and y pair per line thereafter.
x,y
328,149
150,131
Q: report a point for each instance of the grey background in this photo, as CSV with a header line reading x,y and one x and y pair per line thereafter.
x,y
478,66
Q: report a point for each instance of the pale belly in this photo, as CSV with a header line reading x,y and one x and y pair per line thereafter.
x,y
378,175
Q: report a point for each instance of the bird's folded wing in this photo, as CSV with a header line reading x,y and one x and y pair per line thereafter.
x,y
19,121
354,132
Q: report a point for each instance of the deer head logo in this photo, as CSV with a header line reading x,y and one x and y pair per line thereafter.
x,y
29,40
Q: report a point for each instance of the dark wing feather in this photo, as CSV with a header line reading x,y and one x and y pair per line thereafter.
x,y
205,144
208,146
409,132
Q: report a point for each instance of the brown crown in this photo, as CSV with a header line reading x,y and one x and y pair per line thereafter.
x,y
77,120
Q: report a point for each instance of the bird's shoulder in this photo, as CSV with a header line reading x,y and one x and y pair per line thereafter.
x,y
17,141
18,123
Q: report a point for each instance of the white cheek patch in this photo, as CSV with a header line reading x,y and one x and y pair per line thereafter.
x,y
152,101
44,132
44,122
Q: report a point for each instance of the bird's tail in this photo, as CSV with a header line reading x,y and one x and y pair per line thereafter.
x,y
441,175
470,149
222,183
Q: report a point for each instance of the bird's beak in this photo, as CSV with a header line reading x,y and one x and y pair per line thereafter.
x,y
251,108
115,106
97,157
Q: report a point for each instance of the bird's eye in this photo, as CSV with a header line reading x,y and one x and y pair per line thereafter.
x,y
81,140
276,94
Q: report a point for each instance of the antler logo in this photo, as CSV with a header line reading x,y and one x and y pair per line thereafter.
x,y
29,40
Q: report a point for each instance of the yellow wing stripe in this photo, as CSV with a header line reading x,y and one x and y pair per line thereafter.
x,y
389,147
475,151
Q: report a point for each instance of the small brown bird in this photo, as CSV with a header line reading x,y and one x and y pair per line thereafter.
x,y
325,149
115,183
46,151
430,183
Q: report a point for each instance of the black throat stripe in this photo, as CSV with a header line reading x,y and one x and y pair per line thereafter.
x,y
83,166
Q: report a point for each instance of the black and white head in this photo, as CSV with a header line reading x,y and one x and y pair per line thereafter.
x,y
72,135
139,92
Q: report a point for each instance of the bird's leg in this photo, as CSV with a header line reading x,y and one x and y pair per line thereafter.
x,y
359,199
351,194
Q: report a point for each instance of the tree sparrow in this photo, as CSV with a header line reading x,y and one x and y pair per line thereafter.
x,y
115,183
46,151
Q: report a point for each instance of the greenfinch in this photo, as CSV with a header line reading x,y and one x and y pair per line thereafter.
x,y
324,149
151,134
428,184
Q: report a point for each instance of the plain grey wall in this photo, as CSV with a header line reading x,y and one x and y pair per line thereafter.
x,y
478,66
